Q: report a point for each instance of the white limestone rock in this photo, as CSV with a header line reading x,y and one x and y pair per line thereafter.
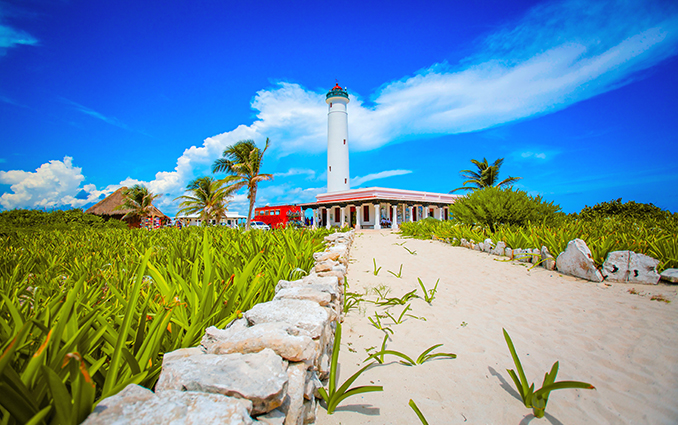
x,y
258,377
629,266
548,262
670,275
138,405
616,266
498,250
286,340
488,245
643,269
577,261
304,314
304,293
293,404
463,242
274,417
508,252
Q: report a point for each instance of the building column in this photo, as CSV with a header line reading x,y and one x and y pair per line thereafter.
x,y
343,219
394,223
314,225
358,217
327,214
377,216
439,213
411,208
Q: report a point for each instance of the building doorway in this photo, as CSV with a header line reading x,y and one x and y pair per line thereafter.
x,y
352,217
324,217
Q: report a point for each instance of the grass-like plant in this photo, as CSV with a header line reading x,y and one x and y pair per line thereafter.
x,y
351,300
397,301
404,313
376,322
376,270
333,395
537,399
431,293
407,360
420,415
400,272
410,251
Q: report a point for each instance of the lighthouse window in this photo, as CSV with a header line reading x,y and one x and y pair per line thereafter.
x,y
330,168
344,141
330,104
345,181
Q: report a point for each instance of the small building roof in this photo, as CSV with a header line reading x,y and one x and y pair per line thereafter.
x,y
230,215
108,205
381,194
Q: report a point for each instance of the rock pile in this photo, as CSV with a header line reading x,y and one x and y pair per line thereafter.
x,y
263,368
576,260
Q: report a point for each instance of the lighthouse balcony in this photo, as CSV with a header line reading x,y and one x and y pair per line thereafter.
x,y
337,93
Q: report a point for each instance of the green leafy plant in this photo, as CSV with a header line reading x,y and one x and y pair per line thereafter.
x,y
404,313
351,300
537,399
333,395
400,272
420,415
410,251
376,322
397,301
429,295
376,270
423,357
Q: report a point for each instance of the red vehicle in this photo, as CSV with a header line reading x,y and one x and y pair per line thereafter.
x,y
279,216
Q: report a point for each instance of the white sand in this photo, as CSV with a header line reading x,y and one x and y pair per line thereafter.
x,y
625,345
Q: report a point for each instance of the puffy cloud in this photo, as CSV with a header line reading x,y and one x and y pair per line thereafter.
x,y
53,184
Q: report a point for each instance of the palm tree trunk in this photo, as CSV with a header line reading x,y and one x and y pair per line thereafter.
x,y
252,195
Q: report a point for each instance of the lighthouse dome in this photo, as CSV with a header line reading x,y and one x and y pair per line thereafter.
x,y
336,91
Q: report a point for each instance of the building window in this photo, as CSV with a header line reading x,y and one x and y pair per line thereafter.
x,y
366,213
277,212
337,213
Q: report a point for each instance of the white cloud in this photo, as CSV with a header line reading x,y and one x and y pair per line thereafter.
x,y
357,181
296,172
53,184
9,37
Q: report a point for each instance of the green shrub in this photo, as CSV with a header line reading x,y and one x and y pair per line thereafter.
x,y
491,207
23,220
627,210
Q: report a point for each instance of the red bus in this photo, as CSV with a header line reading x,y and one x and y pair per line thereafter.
x,y
279,216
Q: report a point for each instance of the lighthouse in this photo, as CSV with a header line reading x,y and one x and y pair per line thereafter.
x,y
337,140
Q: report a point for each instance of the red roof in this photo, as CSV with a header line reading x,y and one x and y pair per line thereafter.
x,y
337,87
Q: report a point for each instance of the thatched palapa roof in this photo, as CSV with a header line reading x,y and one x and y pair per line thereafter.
x,y
108,205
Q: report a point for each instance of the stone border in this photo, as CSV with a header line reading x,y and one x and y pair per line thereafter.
x,y
265,367
576,260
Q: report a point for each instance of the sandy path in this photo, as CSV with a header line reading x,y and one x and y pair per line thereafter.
x,y
626,345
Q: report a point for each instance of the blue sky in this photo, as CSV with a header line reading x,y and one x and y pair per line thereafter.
x,y
579,97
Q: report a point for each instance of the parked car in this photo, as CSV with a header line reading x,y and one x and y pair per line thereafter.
x,y
259,225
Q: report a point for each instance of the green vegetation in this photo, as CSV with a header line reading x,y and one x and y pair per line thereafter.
x,y
333,395
27,221
243,161
655,235
208,197
537,399
376,270
485,176
139,201
420,415
423,357
431,293
399,274
492,207
85,312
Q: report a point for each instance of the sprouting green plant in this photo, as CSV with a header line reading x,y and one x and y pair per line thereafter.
x,y
404,313
399,244
397,301
537,399
379,359
381,291
400,272
351,300
410,251
464,324
660,297
376,322
333,395
420,415
376,270
407,360
431,293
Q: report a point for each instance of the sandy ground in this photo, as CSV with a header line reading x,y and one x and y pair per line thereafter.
x,y
626,345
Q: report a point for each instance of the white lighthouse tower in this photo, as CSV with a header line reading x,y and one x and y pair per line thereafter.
x,y
337,140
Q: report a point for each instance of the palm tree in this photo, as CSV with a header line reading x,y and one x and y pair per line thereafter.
x,y
208,197
486,176
243,161
139,200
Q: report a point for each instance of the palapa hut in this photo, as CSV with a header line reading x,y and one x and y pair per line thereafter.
x,y
106,208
